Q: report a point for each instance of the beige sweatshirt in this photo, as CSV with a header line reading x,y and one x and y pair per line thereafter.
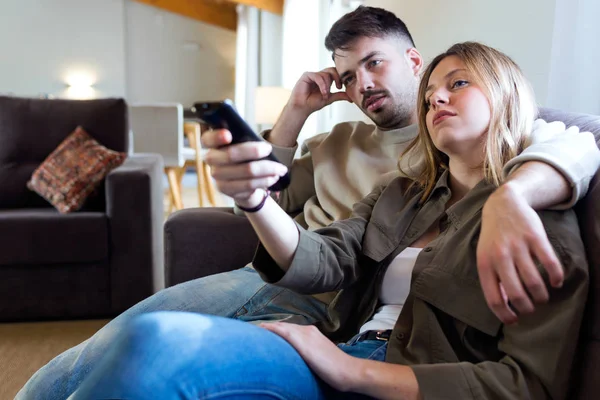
x,y
340,168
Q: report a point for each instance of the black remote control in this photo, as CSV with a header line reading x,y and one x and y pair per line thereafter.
x,y
222,115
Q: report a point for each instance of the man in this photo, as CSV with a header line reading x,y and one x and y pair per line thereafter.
x,y
376,62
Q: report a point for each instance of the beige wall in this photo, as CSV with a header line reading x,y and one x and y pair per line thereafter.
x,y
128,49
43,42
522,29
171,58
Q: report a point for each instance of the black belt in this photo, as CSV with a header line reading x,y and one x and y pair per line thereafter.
x,y
375,335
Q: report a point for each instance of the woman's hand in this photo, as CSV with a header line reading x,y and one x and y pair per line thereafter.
x,y
324,358
239,170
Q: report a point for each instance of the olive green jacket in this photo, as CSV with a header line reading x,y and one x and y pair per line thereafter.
x,y
456,346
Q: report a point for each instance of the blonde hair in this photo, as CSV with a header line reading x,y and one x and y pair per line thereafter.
x,y
513,111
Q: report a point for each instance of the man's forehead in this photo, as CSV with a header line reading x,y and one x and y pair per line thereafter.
x,y
352,55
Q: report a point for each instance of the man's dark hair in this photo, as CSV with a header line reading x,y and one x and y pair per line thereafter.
x,y
365,22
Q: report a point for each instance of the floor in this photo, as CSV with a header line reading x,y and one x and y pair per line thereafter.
x,y
25,347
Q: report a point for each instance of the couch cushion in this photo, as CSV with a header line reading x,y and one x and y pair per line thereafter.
x,y
73,171
36,236
30,129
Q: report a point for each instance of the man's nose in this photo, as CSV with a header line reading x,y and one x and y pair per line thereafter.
x,y
365,81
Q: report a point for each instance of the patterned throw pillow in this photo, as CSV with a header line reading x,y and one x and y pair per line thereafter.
x,y
73,171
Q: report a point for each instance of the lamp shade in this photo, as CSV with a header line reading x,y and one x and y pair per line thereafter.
x,y
269,102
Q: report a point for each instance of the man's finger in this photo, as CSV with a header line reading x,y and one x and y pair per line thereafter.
x,y
334,76
542,250
320,81
530,276
509,278
338,96
491,290
215,138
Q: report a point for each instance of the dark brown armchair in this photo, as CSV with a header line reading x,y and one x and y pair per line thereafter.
x,y
95,262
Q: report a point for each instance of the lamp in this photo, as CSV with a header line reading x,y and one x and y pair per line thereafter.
x,y
269,102
79,85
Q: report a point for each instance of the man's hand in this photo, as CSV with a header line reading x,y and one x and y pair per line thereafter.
x,y
238,169
512,239
311,93
324,358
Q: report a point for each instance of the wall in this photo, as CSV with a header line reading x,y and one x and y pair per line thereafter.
x,y
554,41
126,49
522,29
171,58
45,42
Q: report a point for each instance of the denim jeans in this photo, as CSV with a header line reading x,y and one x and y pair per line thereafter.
x,y
240,294
176,355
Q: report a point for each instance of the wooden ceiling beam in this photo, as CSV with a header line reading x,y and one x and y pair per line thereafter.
x,y
274,6
221,14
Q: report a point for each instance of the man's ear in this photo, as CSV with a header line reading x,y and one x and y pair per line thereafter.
x,y
415,61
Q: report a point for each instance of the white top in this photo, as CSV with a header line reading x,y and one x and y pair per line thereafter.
x,y
394,291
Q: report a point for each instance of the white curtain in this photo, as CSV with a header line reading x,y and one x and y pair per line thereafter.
x,y
305,25
275,51
258,57
574,81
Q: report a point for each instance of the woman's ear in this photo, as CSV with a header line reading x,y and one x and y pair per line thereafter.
x,y
415,61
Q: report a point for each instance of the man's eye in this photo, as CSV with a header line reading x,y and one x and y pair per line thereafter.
x,y
348,81
374,63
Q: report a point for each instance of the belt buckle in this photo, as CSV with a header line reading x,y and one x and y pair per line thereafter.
x,y
382,335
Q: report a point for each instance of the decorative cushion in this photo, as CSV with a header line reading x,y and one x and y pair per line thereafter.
x,y
73,171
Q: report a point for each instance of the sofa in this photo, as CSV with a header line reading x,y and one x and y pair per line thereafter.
x,y
201,242
94,262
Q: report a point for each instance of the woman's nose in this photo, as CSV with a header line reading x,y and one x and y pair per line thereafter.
x,y
438,98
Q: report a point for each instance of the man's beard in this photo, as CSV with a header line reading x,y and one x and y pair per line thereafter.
x,y
398,113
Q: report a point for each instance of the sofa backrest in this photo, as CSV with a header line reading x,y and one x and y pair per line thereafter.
x,y
585,384
30,129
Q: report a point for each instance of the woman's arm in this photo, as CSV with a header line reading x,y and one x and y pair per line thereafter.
x,y
323,260
302,185
275,229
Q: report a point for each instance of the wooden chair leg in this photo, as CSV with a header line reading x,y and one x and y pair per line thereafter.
x,y
174,186
205,187
210,189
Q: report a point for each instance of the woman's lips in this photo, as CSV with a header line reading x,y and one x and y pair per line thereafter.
x,y
442,117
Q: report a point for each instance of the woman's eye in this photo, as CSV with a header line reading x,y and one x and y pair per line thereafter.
x,y
459,83
374,63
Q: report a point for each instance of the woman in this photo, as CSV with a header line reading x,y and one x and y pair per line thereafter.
x,y
406,261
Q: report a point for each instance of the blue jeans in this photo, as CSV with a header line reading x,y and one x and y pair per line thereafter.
x,y
175,355
239,294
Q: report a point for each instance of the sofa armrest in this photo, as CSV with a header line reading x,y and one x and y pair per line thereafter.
x,y
134,205
205,241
